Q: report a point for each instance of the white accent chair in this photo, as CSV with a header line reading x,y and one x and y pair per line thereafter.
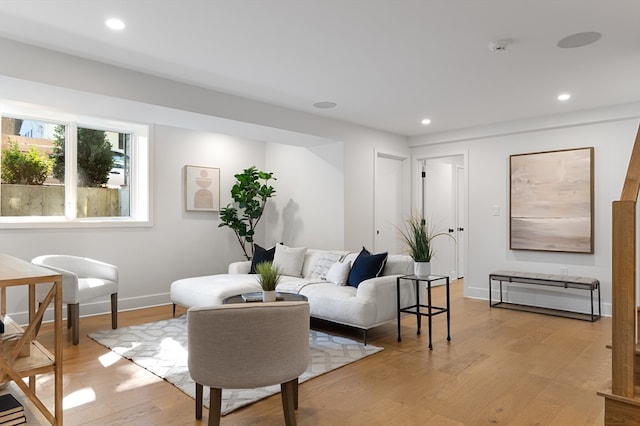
x,y
83,279
245,346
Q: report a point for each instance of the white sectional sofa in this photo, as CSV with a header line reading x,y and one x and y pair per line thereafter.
x,y
372,303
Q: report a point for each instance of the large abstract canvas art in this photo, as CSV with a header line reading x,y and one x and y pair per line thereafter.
x,y
551,204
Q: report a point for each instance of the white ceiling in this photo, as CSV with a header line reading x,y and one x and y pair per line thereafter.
x,y
386,63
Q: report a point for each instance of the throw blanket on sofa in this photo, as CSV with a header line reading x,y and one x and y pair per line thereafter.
x,y
296,285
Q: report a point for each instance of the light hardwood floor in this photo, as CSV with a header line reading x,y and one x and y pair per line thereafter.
x,y
501,367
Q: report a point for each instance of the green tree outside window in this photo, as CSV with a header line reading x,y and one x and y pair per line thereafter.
x,y
95,159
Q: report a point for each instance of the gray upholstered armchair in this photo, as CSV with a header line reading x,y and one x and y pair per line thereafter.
x,y
245,346
83,279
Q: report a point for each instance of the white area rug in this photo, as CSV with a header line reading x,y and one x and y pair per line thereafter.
x,y
161,348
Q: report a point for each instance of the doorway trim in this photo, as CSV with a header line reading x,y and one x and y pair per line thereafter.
x,y
405,186
416,169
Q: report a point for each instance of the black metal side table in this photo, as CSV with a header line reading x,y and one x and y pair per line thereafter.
x,y
431,310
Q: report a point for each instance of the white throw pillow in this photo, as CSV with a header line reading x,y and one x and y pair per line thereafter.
x,y
289,260
322,265
339,272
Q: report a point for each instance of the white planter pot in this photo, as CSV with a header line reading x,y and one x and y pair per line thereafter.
x,y
269,296
422,269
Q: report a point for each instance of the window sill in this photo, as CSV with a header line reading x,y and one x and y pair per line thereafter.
x,y
61,223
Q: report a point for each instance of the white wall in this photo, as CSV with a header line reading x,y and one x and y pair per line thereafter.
x,y
488,185
318,162
183,244
359,176
193,238
310,196
214,111
179,243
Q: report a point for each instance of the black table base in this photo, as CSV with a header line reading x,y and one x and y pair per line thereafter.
x,y
431,310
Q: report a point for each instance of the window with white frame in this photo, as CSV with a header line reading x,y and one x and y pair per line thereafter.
x,y
64,169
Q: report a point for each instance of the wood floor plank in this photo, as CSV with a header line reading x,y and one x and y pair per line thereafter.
x,y
501,367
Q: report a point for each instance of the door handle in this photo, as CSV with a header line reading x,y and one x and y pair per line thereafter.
x,y
460,229
451,230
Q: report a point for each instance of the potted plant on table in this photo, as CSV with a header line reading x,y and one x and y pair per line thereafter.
x,y
418,237
268,277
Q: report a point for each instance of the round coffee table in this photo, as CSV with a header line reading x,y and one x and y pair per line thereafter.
x,y
257,297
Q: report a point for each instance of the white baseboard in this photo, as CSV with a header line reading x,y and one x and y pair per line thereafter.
x,y
101,307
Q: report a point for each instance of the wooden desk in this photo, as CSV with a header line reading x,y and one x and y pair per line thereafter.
x,y
15,272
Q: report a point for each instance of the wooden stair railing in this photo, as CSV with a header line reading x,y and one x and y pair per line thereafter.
x,y
622,405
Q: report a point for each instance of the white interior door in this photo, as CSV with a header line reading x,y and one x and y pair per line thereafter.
x,y
388,204
439,205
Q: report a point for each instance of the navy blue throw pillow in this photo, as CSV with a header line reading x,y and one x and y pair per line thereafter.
x,y
261,255
366,266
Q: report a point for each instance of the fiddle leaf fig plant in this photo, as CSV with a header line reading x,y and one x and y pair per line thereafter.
x,y
250,194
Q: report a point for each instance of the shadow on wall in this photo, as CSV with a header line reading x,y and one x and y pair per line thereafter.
x,y
270,219
291,223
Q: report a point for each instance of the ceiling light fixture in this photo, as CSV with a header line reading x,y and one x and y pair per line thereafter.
x,y
579,40
426,121
114,24
325,105
564,97
499,46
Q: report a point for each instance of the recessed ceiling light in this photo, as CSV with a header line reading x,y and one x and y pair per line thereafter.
x,y
325,104
114,24
579,40
426,121
564,97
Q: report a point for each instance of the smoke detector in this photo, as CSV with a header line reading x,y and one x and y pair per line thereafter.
x,y
499,45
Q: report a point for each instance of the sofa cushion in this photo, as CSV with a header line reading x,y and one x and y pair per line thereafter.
x,y
261,255
398,264
366,266
322,265
311,258
289,260
338,273
341,304
211,289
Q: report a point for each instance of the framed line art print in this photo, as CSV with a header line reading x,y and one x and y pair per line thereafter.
x,y
551,201
202,188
